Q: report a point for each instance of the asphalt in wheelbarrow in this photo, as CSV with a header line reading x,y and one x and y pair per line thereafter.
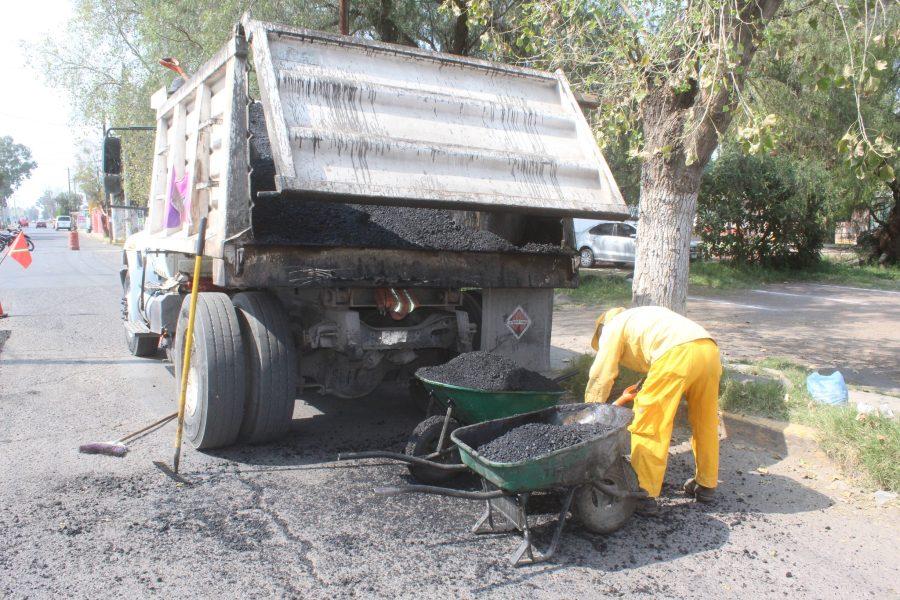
x,y
532,440
481,370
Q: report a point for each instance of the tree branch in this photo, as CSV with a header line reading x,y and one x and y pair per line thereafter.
x,y
741,29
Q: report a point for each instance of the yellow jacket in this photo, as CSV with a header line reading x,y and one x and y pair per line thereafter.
x,y
635,338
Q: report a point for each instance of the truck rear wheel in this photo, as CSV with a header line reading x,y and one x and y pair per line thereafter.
x,y
271,361
216,382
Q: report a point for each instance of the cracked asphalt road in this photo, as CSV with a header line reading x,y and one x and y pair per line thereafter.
x,y
287,520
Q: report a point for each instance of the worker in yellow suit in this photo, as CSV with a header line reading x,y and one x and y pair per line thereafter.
x,y
680,359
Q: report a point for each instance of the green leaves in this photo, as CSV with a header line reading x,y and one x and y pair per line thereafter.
x,y
762,209
16,166
866,158
760,135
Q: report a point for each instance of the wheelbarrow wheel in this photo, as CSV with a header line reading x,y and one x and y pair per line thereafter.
x,y
600,512
424,441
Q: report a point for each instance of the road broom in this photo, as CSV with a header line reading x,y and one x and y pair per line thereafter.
x,y
119,448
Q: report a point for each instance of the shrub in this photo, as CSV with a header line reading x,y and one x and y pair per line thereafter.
x,y
763,210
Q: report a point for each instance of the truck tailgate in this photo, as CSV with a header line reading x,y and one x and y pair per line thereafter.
x,y
354,120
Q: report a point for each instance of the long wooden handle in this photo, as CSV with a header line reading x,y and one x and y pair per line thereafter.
x,y
189,344
134,434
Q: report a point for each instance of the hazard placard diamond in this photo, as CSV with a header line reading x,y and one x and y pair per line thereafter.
x,y
518,322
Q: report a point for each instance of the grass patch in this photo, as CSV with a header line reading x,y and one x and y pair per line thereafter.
x,y
614,289
608,289
723,275
762,397
869,446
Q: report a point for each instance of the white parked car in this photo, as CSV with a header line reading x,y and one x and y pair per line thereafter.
x,y
63,222
606,241
611,242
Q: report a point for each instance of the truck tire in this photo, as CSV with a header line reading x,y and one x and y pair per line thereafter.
x,y
143,346
216,381
271,366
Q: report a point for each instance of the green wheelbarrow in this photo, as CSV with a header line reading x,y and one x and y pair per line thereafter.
x,y
460,406
593,478
463,406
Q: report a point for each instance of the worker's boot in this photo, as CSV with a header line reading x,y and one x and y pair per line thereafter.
x,y
648,507
699,492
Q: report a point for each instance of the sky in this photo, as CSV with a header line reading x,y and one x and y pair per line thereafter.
x,y
33,113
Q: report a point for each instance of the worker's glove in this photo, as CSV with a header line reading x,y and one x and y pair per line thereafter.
x,y
628,395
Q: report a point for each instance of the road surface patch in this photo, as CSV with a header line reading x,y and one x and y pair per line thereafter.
x,y
808,296
728,302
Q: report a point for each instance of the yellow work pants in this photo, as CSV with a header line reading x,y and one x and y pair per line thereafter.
x,y
693,370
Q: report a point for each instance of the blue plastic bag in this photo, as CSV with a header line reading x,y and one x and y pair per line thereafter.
x,y
827,389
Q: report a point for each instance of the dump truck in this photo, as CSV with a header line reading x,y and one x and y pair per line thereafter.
x,y
371,208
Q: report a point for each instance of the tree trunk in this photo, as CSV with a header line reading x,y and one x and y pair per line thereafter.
x,y
889,236
668,203
459,42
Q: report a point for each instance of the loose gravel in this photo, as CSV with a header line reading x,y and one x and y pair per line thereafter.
x,y
481,370
537,439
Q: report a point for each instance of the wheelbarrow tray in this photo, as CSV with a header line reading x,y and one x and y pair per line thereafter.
x,y
474,406
568,466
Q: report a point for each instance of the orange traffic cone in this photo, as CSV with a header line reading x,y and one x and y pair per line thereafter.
x,y
3,315
73,240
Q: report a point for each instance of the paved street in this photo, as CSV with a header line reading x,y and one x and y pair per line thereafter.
x,y
287,520
831,326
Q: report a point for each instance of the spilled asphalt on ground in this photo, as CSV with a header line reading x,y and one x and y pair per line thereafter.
x,y
287,520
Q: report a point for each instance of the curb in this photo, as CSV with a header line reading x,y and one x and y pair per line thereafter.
x,y
779,436
756,370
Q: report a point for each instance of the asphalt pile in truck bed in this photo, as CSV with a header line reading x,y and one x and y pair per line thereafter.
x,y
537,439
310,222
490,372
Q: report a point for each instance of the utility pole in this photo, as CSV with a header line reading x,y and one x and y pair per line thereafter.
x,y
344,9
69,180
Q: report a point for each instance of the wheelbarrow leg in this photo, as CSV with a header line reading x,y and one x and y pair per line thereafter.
x,y
526,553
488,523
443,437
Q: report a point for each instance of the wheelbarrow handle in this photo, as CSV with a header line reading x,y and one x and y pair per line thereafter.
x,y
402,458
396,490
